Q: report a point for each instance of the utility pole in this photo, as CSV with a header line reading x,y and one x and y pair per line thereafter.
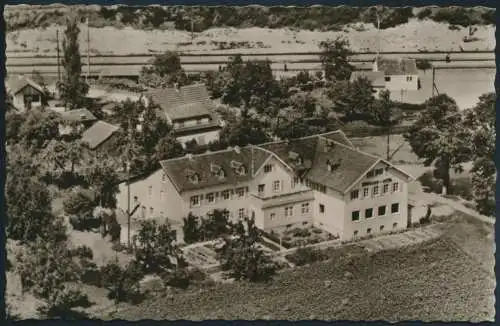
x,y
128,180
58,60
434,80
88,49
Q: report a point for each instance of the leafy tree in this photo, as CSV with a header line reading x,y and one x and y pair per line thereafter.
x,y
249,84
13,123
156,250
166,70
72,88
437,137
353,100
480,121
78,203
103,178
39,128
241,257
45,268
245,130
334,58
424,64
214,225
28,207
191,229
122,284
167,148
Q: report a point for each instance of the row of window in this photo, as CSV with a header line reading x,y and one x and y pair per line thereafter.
x,y
289,211
212,197
369,212
381,229
408,78
375,190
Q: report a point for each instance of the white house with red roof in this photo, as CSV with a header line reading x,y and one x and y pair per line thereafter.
x,y
321,179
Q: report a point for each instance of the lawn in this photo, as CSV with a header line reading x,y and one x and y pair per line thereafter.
x,y
436,280
377,145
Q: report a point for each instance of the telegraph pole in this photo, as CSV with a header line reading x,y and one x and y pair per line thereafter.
x,y
58,60
433,79
88,49
128,180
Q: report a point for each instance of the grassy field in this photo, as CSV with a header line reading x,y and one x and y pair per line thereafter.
x,y
415,35
437,280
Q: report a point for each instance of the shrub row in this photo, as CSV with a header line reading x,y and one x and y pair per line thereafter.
x,y
309,18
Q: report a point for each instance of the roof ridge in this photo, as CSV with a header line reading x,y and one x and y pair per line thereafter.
x,y
201,154
350,147
288,140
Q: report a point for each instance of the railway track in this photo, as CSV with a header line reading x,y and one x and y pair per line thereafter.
x,y
115,66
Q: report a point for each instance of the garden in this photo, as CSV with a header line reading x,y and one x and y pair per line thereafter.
x,y
299,235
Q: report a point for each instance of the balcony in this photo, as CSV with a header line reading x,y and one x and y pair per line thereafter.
x,y
282,199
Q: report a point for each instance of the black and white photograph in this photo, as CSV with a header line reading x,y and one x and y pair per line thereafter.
x,y
250,162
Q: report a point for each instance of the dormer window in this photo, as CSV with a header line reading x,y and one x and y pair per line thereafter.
x,y
192,176
331,165
238,167
295,157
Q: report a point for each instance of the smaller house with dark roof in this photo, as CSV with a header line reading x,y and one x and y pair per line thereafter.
x,y
190,111
400,74
74,121
100,136
24,93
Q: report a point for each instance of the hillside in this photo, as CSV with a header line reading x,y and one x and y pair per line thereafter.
x,y
416,35
326,18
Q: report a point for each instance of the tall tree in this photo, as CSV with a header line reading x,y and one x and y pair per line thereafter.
x,y
166,70
439,138
29,209
480,121
45,268
242,258
353,100
334,58
156,249
72,88
385,114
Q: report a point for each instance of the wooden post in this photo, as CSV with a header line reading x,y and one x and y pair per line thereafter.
x,y
58,60
433,79
88,49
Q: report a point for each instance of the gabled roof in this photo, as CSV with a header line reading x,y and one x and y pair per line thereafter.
x,y
177,169
401,66
15,84
375,77
184,103
82,115
327,159
98,134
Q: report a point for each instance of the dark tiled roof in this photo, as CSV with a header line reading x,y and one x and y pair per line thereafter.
x,y
184,103
83,115
178,169
98,133
212,125
17,83
348,165
401,66
188,111
375,77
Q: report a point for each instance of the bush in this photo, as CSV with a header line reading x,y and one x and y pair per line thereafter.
x,y
426,12
306,255
300,232
84,252
90,274
123,284
423,64
427,180
177,278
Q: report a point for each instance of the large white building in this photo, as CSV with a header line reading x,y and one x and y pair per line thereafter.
x,y
321,179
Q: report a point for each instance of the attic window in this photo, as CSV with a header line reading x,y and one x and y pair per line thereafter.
x,y
192,176
217,170
387,78
295,157
332,165
82,116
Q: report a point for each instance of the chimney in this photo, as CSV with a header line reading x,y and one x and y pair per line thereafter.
x,y
375,64
176,86
237,149
329,165
189,156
